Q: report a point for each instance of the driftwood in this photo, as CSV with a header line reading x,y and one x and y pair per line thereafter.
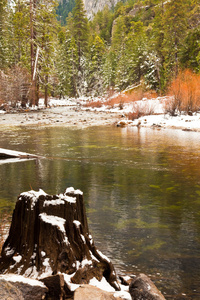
x,y
49,235
5,154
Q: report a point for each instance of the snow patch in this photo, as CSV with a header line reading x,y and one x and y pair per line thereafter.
x,y
122,294
86,262
103,284
103,256
53,202
19,278
71,286
17,258
54,221
33,195
9,251
73,191
77,223
67,198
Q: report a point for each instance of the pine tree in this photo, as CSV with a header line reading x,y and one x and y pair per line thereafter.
x,y
175,28
3,42
68,66
95,66
80,30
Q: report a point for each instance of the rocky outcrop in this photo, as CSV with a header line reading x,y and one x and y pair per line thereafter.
x,y
9,291
93,6
142,287
25,288
49,235
92,293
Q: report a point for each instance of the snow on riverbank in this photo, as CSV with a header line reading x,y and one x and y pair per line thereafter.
x,y
79,113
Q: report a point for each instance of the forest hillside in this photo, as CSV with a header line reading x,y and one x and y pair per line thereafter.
x,y
133,45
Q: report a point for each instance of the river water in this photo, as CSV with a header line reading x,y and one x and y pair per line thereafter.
x,y
141,189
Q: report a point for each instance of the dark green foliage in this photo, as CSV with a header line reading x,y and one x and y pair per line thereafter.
x,y
63,9
190,54
138,42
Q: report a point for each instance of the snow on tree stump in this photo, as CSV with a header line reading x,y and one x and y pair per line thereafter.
x,y
49,235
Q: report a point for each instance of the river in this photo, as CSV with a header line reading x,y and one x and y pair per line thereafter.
x,y
141,189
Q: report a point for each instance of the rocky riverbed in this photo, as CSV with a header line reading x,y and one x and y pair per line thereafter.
x,y
59,116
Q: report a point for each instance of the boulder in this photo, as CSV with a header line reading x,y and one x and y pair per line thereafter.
x,y
55,285
29,288
9,291
49,235
142,288
92,293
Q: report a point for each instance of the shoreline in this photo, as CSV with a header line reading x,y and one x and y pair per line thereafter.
x,y
82,117
59,116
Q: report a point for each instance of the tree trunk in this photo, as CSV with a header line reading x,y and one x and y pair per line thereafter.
x,y
49,235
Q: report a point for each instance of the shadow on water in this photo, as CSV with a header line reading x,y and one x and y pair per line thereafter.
x,y
141,190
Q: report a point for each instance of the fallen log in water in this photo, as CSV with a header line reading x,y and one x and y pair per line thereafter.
x,y
5,154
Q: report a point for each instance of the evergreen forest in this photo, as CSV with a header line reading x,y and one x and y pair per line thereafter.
x,y
51,49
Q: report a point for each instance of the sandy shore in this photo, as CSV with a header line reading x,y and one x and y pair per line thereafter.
x,y
60,116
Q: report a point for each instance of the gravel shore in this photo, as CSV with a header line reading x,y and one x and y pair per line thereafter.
x,y
59,116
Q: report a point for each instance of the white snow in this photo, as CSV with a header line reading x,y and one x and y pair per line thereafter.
x,y
72,190
32,271
9,251
13,153
71,286
54,221
103,256
19,278
77,223
43,253
17,258
67,198
86,262
33,195
83,238
103,284
123,294
53,202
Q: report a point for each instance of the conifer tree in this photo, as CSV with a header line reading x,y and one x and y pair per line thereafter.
x,y
175,28
80,30
95,65
2,34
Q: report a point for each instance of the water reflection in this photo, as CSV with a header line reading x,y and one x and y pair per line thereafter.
x,y
141,188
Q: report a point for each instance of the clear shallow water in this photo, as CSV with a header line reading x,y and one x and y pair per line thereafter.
x,y
141,190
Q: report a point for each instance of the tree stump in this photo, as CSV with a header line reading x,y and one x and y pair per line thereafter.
x,y
49,235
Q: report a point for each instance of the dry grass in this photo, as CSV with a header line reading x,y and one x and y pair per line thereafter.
x,y
185,90
145,108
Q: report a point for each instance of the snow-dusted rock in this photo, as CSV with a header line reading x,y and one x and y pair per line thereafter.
x,y
29,288
9,291
92,293
142,287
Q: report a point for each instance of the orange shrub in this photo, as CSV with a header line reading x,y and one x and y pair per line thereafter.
x,y
185,90
140,109
94,104
122,98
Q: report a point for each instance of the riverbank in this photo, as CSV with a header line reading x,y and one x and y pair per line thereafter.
x,y
70,113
